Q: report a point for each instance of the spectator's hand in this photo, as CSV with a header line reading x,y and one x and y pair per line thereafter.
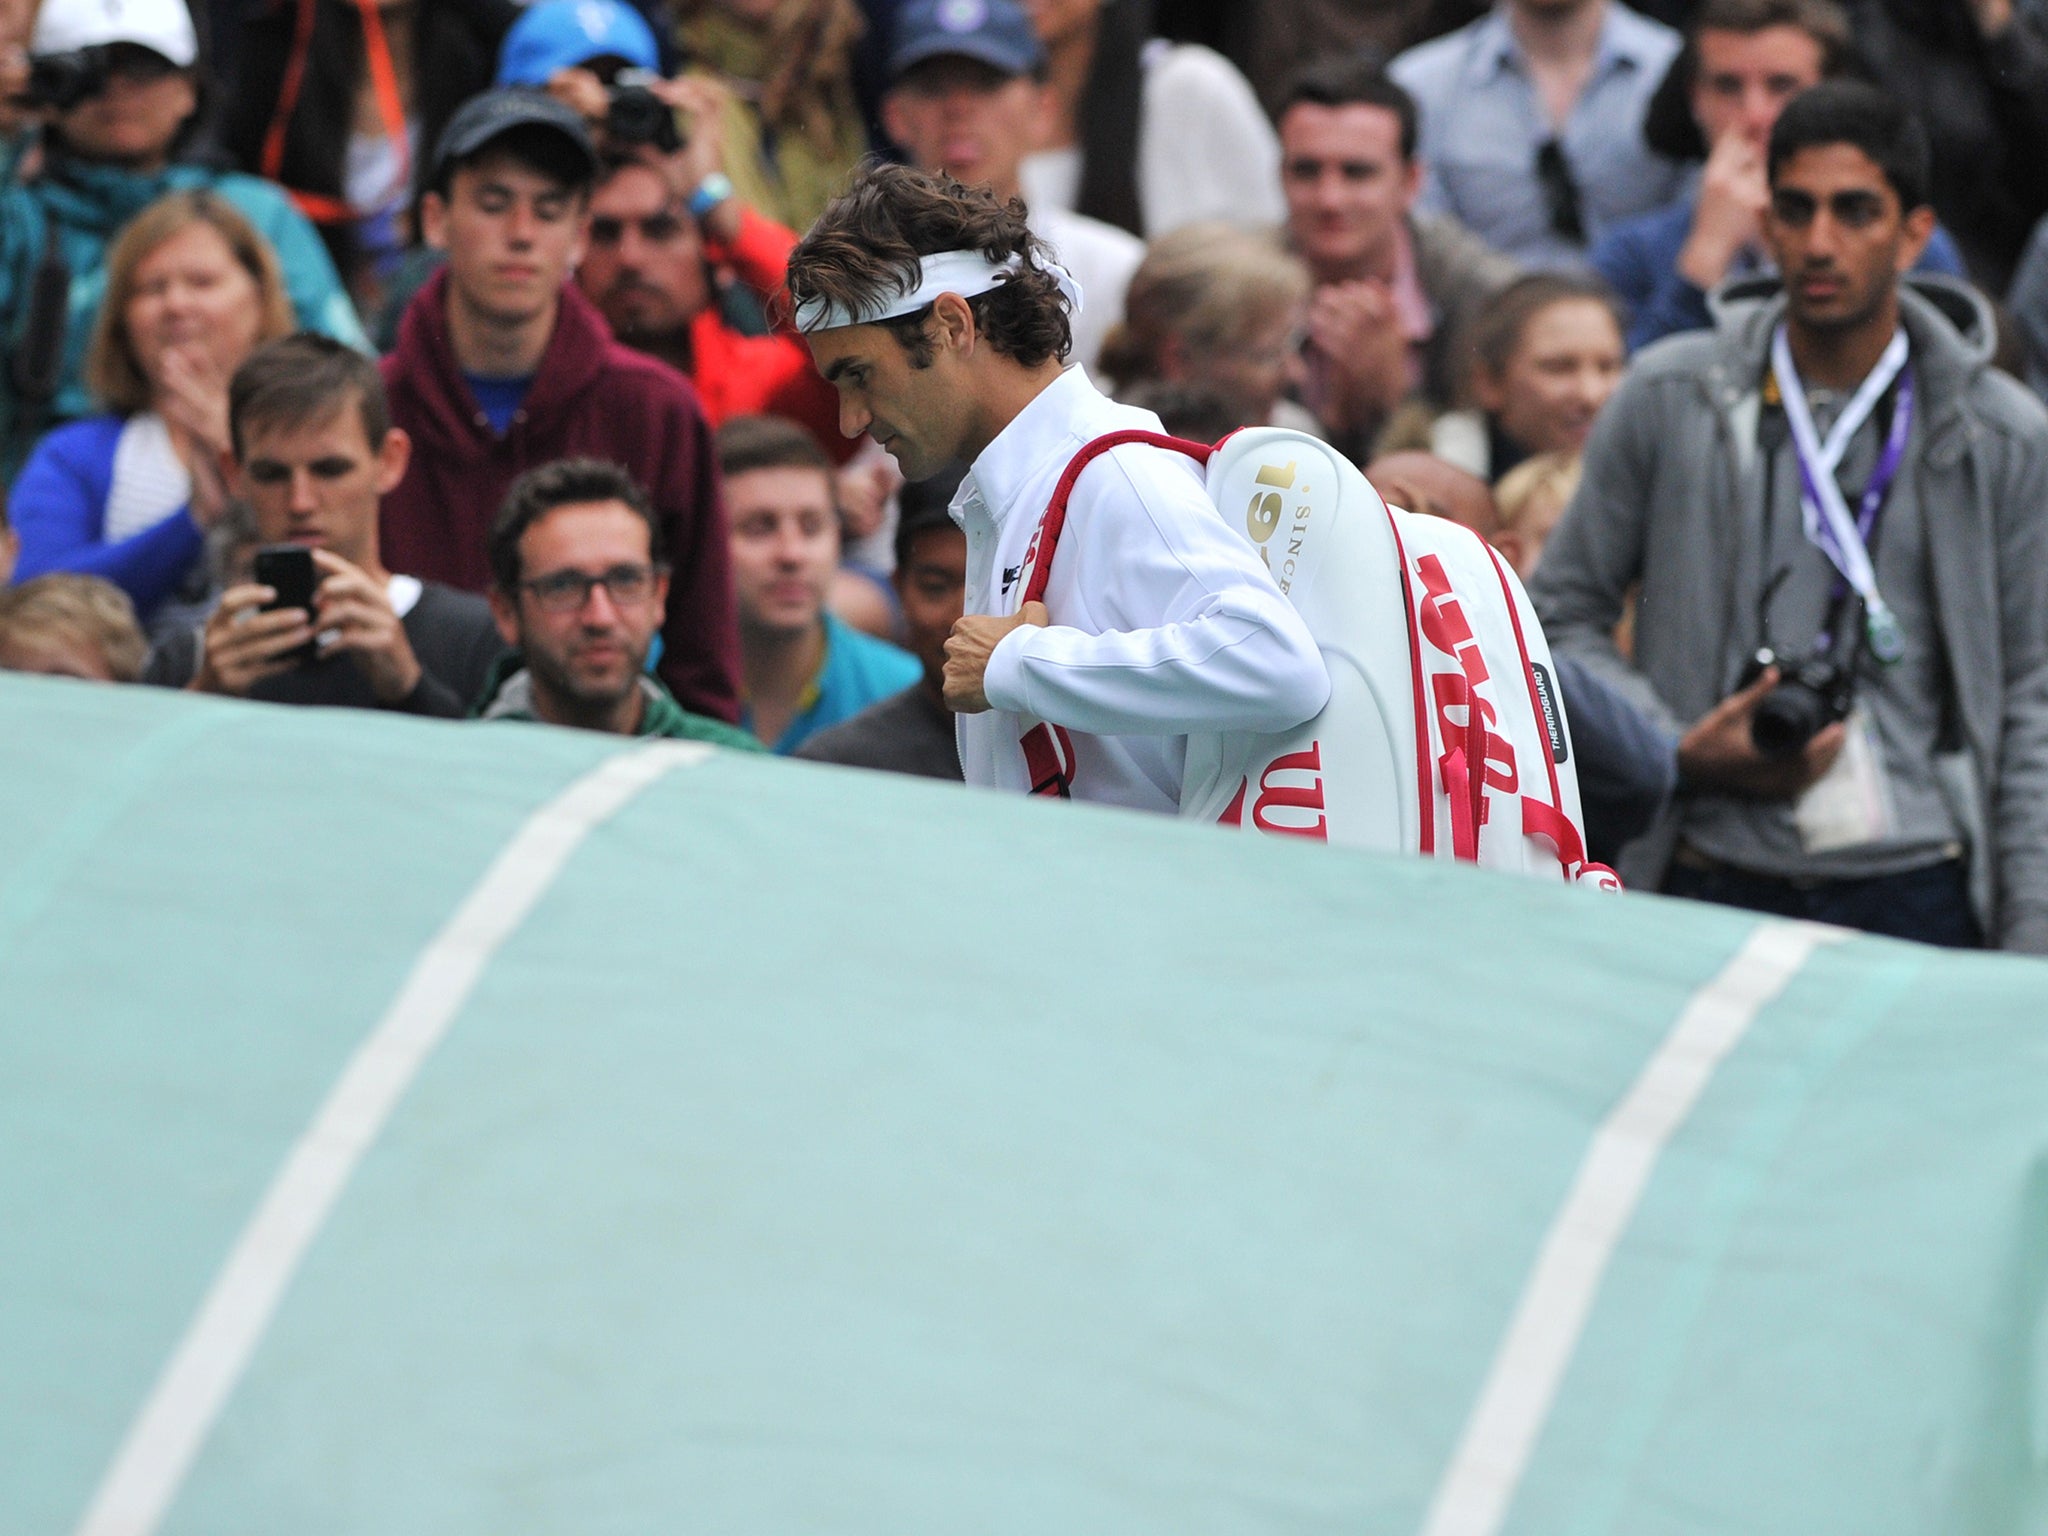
x,y
1734,192
702,102
865,487
243,645
582,93
968,648
1354,328
192,398
354,615
1719,753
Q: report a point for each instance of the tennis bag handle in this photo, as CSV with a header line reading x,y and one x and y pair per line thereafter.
x,y
1049,749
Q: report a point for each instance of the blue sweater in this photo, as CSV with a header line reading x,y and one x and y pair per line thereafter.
x,y
1639,260
59,508
859,670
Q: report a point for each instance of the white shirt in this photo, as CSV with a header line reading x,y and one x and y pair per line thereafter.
x,y
1206,149
1164,619
1103,260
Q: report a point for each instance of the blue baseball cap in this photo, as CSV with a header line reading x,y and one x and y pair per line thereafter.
x,y
995,32
560,34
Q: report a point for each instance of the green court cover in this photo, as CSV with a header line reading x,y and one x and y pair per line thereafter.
x,y
787,1150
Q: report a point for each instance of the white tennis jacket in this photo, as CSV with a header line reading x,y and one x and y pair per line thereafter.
x,y
1164,619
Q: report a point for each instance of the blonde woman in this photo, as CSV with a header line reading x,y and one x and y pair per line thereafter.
x,y
1218,308
129,494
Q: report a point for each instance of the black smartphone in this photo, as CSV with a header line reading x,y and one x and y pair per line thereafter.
x,y
287,569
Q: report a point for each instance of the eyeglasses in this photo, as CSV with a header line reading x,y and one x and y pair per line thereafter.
x,y
656,229
563,592
1560,192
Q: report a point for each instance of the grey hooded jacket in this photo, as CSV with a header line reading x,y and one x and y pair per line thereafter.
x,y
1671,475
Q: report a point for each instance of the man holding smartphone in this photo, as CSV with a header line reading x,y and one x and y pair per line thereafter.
x,y
314,452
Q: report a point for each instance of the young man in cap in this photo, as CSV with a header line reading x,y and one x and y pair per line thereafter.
x,y
942,321
113,125
664,219
1831,507
965,97
501,364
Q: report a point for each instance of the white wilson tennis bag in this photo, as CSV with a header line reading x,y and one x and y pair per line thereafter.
x,y
1444,734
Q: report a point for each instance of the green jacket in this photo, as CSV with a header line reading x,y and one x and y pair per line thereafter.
x,y
88,204
508,695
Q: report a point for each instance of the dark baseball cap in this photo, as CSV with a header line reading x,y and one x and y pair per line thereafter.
x,y
996,32
490,114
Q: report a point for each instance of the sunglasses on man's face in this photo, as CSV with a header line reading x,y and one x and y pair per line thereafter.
x,y
1560,192
656,228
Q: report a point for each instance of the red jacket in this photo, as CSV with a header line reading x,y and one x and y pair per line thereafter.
x,y
591,397
741,375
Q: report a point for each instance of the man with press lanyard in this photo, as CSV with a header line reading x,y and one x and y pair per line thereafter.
x,y
1838,516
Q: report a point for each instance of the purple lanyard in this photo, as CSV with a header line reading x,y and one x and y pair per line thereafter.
x,y
1868,508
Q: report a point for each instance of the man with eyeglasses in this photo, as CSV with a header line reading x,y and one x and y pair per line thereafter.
x,y
1532,123
314,451
578,584
114,91
503,364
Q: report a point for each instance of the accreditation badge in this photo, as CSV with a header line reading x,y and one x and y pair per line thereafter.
x,y
1850,804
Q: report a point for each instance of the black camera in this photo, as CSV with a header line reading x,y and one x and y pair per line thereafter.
x,y
635,115
1813,692
60,81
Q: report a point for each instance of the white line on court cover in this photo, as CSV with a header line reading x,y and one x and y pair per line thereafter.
x,y
167,1435
1479,1486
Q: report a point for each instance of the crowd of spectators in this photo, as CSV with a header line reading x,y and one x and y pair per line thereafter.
x,y
479,305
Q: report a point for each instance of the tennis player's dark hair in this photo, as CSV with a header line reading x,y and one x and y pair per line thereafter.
x,y
865,250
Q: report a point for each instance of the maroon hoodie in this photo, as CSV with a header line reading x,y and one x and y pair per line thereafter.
x,y
591,397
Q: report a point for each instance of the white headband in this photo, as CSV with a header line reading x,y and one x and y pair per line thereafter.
x,y
967,273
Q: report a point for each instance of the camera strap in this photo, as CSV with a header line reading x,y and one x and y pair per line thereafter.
x,y
317,206
1842,536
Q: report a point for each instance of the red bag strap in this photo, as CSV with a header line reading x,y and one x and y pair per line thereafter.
x,y
1048,536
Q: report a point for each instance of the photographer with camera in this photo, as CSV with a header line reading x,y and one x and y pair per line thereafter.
x,y
115,87
1837,515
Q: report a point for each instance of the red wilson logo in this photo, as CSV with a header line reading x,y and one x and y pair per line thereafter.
x,y
1465,716
1290,798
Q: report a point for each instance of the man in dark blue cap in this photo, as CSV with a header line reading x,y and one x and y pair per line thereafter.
x,y
502,365
966,91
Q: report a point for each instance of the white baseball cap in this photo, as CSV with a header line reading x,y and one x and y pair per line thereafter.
x,y
162,26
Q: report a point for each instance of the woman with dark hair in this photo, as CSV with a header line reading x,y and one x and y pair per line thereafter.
x,y
1143,133
339,101
130,494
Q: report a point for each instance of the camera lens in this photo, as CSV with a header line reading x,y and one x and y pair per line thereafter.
x,y
635,115
1786,719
